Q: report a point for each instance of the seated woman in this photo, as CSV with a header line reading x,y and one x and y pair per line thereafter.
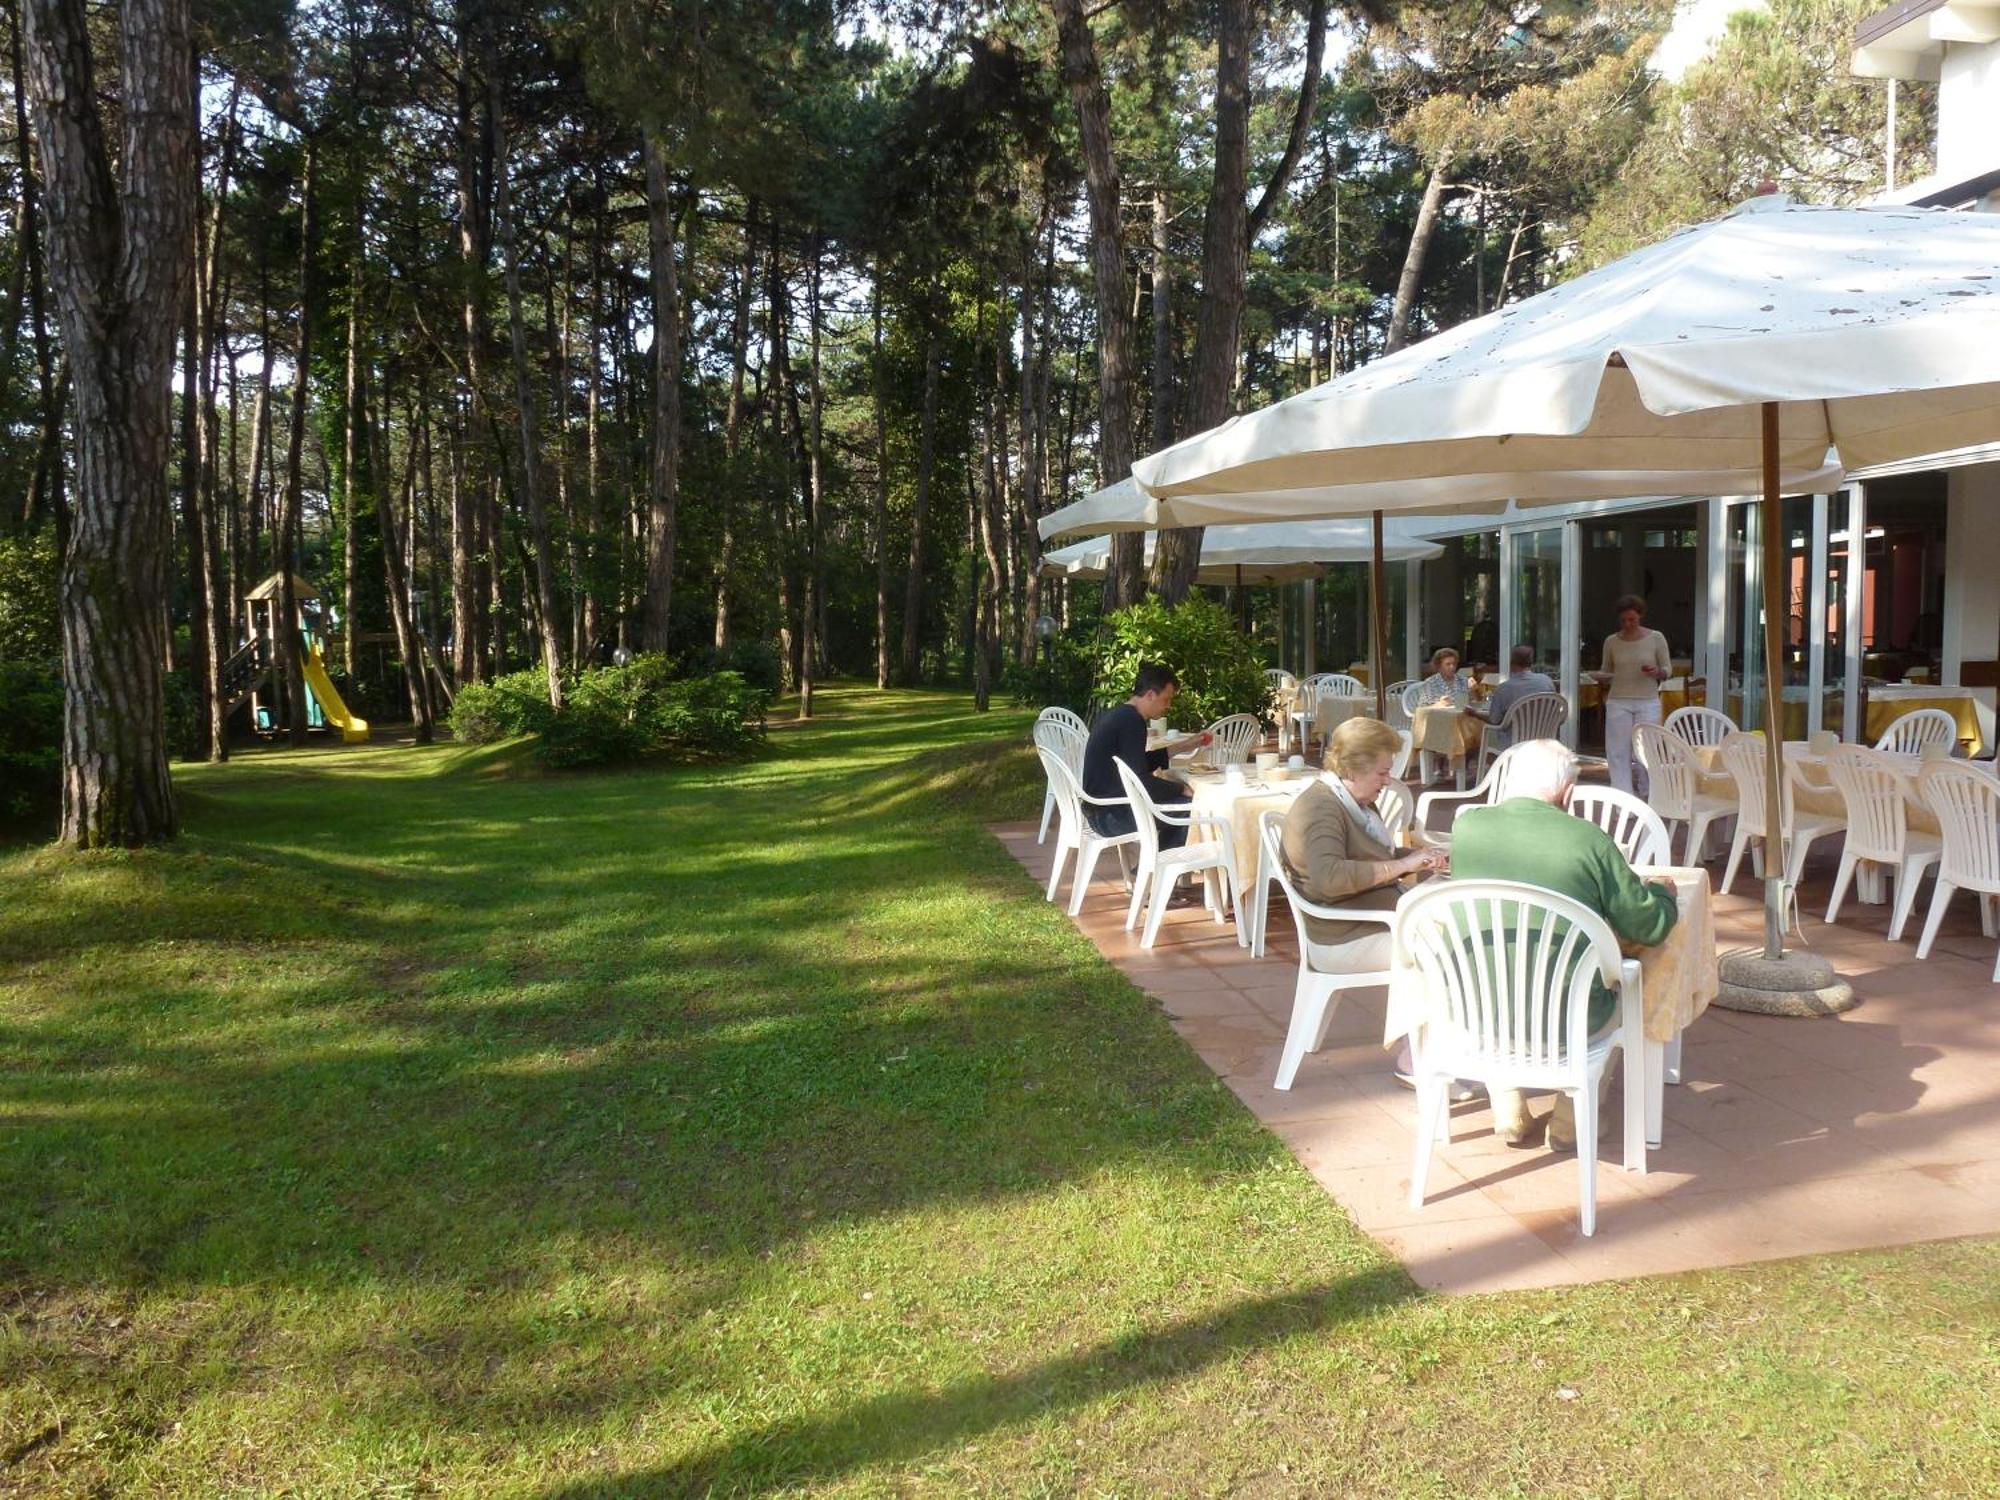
x,y
1341,853
1444,685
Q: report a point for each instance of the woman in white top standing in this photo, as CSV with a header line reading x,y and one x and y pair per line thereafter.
x,y
1636,662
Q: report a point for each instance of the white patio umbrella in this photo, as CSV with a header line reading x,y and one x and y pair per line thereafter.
x,y
1274,553
1761,351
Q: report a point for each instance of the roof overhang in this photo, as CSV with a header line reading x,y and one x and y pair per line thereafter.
x,y
1908,40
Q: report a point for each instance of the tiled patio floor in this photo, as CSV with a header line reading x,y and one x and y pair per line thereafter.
x,y
1789,1137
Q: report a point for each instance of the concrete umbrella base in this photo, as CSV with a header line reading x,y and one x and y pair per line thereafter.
x,y
1798,984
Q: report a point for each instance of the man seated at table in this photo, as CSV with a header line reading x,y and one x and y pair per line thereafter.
x,y
1532,838
1120,734
1523,681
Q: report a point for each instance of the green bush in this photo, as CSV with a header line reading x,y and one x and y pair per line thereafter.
x,y
1064,674
754,660
1218,667
615,714
515,704
31,727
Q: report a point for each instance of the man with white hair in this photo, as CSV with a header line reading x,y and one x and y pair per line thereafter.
x,y
1531,837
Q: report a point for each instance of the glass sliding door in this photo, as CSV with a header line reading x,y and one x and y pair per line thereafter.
x,y
1538,599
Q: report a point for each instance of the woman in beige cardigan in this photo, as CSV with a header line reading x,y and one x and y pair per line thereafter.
x,y
1341,853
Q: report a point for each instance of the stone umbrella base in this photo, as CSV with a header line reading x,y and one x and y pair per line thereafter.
x,y
1797,984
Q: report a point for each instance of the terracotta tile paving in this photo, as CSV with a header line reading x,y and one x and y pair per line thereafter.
x,y
1788,1137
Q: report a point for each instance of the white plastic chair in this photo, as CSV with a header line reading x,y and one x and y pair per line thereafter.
x,y
1065,733
1317,991
1491,787
1399,763
1918,728
1506,971
1700,726
1634,827
1074,830
1539,716
1878,829
1397,806
1967,804
1161,869
1673,786
1231,740
1344,686
1392,705
1743,759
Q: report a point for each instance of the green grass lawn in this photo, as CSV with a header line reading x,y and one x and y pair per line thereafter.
x,y
421,1124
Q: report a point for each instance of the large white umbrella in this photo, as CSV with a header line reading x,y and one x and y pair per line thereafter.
x,y
1273,553
1764,350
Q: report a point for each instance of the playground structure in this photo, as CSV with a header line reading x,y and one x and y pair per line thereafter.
x,y
251,675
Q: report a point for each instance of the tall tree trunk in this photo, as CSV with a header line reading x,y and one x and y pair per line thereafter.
x,y
593,472
1225,254
350,456
469,623
286,634
732,427
920,503
1036,280
120,225
1125,579
880,519
1413,259
396,571
539,539
663,473
45,490
813,644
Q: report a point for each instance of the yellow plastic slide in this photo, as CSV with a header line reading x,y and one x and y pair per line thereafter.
x,y
354,731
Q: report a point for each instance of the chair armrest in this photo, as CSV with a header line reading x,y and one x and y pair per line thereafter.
x,y
1188,819
1103,801
1346,913
1431,799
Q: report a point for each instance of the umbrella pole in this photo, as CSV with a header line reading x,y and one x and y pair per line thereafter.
x,y
1378,623
1775,617
1774,982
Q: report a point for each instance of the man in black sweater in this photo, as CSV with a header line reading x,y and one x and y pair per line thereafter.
x,y
1120,734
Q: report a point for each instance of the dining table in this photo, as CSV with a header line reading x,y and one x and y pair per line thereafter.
x,y
1446,729
1239,800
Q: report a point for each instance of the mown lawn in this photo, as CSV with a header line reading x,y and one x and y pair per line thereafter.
x,y
424,1125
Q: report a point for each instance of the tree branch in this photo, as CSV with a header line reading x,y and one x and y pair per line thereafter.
x,y
1302,118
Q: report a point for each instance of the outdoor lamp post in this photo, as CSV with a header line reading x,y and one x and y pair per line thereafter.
x,y
1045,629
622,657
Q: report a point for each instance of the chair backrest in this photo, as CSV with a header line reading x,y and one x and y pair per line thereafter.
x,y
1967,804
1539,716
1393,700
1413,698
1398,806
1234,738
1743,759
1634,827
1065,739
1700,726
1670,770
1142,811
1344,686
1066,786
1877,822
1399,763
1270,837
1506,967
1312,684
1918,728
1279,679
1063,716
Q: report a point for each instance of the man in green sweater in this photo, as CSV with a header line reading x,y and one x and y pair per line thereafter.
x,y
1532,838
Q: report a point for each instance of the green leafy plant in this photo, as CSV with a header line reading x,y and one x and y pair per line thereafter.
x,y
1218,667
515,704
614,714
1063,673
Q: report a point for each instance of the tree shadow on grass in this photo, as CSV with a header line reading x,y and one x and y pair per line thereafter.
x,y
902,1426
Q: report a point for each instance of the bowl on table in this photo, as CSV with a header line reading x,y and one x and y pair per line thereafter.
x,y
1267,760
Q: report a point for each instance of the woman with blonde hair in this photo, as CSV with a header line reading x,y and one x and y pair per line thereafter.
x,y
1341,852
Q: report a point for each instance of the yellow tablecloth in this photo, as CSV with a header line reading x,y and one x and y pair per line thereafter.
x,y
1336,709
1885,710
1816,793
1446,729
1241,802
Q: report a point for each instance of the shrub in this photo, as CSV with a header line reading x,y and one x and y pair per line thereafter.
x,y
1064,674
642,710
755,661
1218,667
515,704
31,727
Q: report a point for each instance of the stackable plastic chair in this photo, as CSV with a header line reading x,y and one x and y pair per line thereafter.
x,y
1743,759
1160,869
1394,705
1399,763
1491,787
1059,730
1232,739
1506,970
1073,830
1967,804
1918,728
1638,831
1317,991
1701,727
1539,716
1878,828
1342,685
1673,786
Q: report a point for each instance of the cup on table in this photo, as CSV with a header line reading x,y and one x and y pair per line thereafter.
x,y
1157,726
1233,771
1267,760
1822,741
1297,762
